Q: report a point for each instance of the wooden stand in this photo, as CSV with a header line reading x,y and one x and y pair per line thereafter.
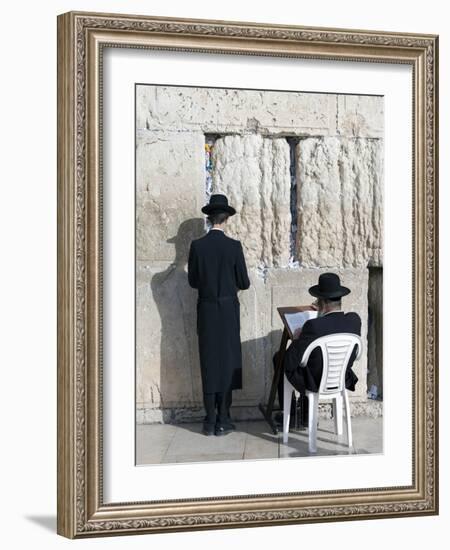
x,y
267,410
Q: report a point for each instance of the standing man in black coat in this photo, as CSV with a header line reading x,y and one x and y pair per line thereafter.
x,y
216,267
330,320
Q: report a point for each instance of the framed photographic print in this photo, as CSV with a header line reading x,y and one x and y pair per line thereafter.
x,y
231,195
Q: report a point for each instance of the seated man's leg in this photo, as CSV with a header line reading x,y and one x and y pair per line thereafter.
x,y
280,389
303,408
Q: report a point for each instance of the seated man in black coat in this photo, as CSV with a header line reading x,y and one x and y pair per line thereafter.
x,y
330,320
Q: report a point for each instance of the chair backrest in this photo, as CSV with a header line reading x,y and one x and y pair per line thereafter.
x,y
336,352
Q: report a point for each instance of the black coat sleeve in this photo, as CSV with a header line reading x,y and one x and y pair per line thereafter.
x,y
356,329
193,267
240,269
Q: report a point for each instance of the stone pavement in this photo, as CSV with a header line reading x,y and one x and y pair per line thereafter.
x,y
168,443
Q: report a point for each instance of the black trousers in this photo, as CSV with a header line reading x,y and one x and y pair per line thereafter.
x,y
299,408
217,406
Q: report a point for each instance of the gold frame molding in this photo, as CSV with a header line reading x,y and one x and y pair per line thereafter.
x,y
81,37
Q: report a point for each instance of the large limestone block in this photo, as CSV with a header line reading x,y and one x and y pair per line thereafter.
x,y
339,202
170,188
168,365
214,110
173,108
360,116
254,173
166,337
255,325
290,288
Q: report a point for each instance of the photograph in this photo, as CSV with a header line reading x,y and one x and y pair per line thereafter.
x,y
259,274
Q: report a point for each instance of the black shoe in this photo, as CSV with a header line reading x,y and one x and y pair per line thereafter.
x,y
223,430
228,425
208,430
304,412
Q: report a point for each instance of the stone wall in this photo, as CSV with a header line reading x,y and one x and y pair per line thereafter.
x,y
254,173
338,209
339,202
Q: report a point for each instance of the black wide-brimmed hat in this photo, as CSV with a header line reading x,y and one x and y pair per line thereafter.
x,y
218,203
329,287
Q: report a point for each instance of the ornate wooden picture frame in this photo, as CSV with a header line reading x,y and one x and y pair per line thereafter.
x,y
82,511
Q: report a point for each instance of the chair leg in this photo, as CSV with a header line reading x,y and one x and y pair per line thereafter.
x,y
338,412
349,419
313,401
287,397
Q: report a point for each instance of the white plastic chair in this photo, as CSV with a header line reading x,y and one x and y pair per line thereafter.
x,y
336,352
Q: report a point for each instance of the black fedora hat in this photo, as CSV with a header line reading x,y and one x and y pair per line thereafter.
x,y
218,203
329,287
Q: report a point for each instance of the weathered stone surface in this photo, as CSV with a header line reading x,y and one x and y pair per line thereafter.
x,y
166,338
360,116
168,367
339,225
339,198
359,406
169,387
170,189
254,336
290,287
196,413
254,173
214,110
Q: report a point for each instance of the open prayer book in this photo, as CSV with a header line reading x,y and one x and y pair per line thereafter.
x,y
297,319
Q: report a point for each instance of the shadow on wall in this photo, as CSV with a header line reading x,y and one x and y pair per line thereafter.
x,y
178,381
176,304
178,384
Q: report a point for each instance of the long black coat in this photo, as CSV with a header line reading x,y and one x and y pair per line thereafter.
x,y
216,267
309,377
